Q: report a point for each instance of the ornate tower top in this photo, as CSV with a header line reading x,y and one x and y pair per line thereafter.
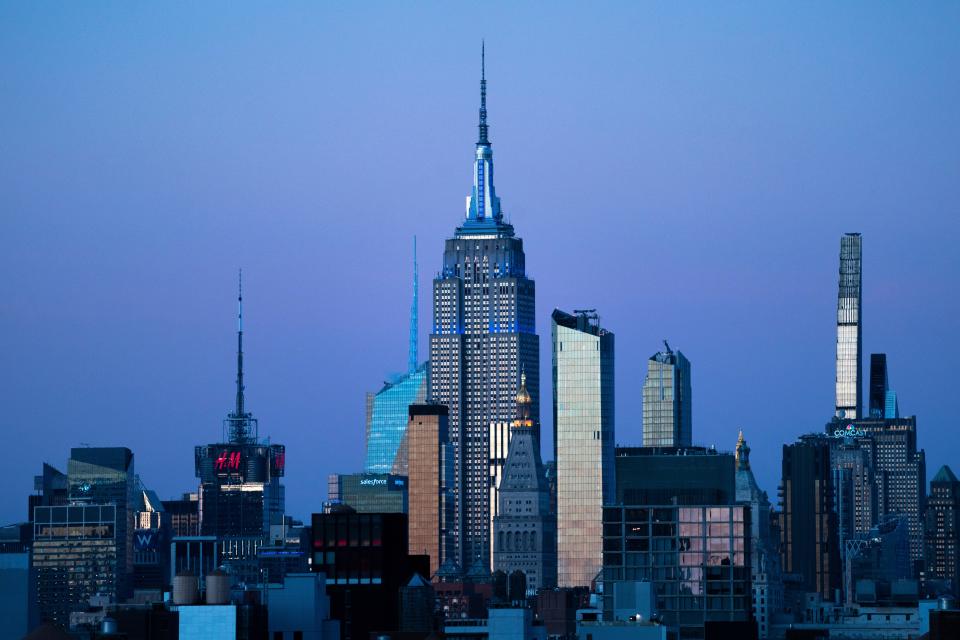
x,y
523,404
743,453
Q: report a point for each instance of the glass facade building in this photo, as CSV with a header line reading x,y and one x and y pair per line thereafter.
x,y
77,554
697,558
386,433
105,475
667,419
849,329
369,492
583,437
483,336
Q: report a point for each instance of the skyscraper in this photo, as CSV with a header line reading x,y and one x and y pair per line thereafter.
x,y
849,329
386,434
483,335
525,531
430,483
85,547
808,524
674,522
879,384
942,535
666,400
240,491
898,471
583,441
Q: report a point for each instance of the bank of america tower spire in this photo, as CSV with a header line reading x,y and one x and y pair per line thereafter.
x,y
483,336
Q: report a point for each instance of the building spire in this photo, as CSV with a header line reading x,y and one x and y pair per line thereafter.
x,y
241,426
483,205
239,409
414,356
742,456
523,403
483,95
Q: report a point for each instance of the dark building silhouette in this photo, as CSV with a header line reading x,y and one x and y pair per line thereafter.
x,y
942,534
883,400
50,489
184,515
686,475
879,385
810,540
365,559
676,523
897,474
417,606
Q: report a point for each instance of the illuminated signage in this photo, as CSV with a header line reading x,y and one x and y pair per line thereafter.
x,y
849,432
227,461
373,482
145,540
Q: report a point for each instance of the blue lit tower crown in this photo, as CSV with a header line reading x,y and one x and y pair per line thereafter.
x,y
483,336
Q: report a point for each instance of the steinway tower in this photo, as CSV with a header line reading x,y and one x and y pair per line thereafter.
x,y
483,337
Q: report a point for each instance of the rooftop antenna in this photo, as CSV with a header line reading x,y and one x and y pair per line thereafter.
x,y
483,94
242,425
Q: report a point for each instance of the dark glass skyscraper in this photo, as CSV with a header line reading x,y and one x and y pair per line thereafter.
x,y
849,329
810,539
483,336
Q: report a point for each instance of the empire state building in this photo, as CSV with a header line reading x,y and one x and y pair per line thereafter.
x,y
484,336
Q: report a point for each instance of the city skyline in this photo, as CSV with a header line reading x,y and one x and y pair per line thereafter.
x,y
171,374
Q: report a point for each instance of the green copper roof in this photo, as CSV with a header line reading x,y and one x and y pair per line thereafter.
x,y
944,475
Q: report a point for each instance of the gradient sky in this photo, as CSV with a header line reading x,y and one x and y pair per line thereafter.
x,y
685,169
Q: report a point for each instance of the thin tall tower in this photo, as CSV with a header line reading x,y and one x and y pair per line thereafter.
x,y
849,329
241,425
414,355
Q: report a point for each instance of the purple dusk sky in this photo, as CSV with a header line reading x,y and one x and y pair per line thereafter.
x,y
687,170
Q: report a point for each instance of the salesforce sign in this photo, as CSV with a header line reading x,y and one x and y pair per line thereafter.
x,y
382,481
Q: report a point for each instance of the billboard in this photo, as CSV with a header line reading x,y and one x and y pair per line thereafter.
x,y
231,462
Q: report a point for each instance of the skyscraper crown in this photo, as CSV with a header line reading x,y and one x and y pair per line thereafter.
x,y
483,206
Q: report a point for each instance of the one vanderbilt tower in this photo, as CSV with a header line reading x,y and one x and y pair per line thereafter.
x,y
483,338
